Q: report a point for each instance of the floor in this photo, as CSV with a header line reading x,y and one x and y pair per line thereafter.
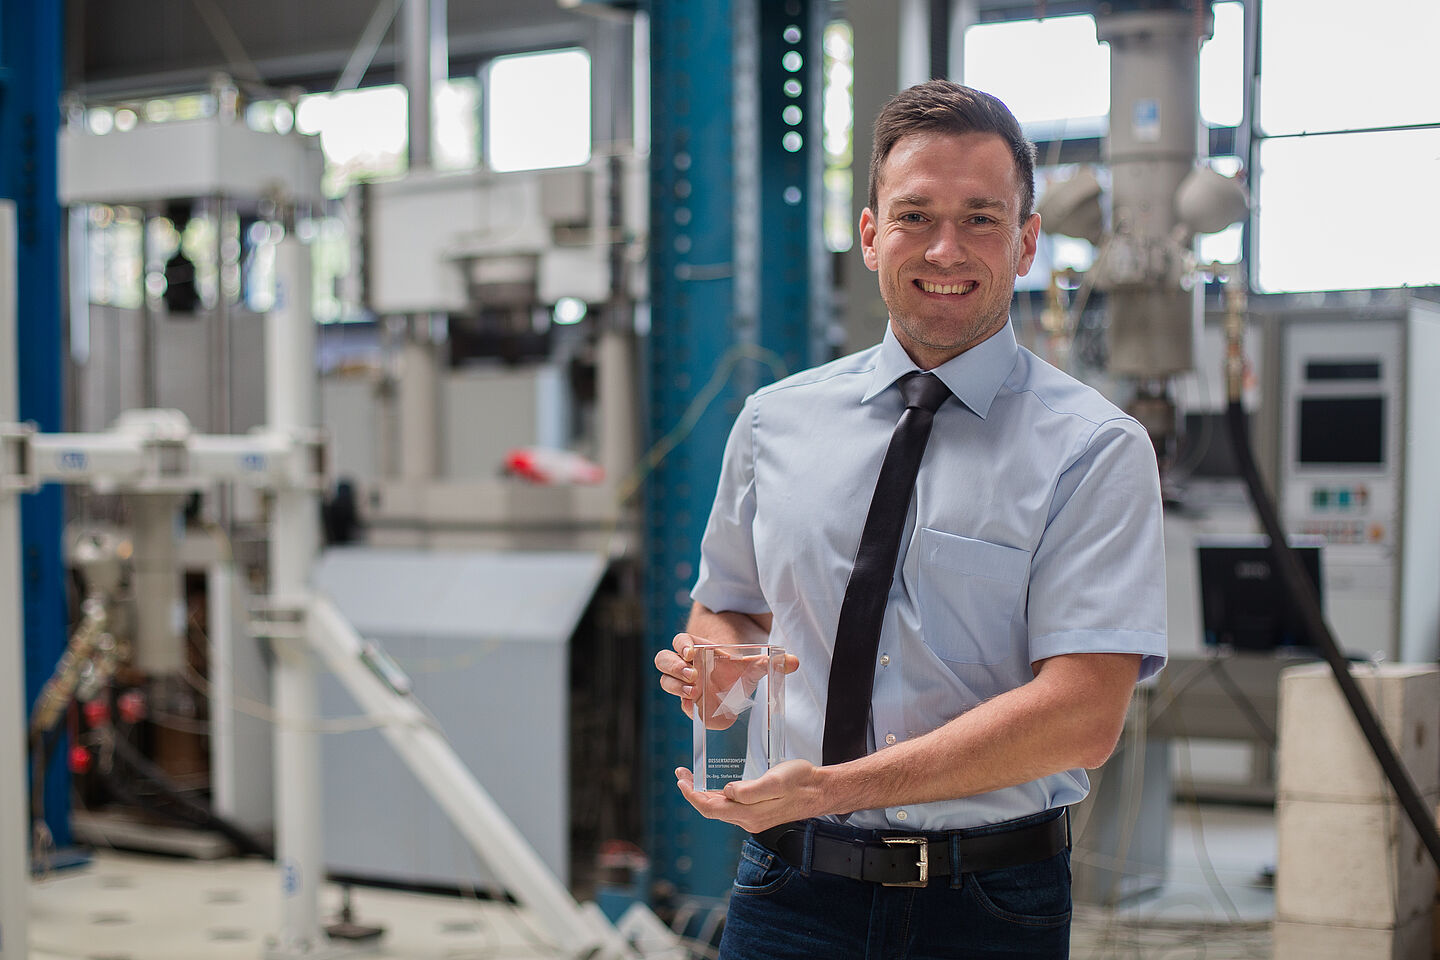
x,y
1218,900
126,906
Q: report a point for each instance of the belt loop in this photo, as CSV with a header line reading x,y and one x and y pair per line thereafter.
x,y
807,849
1068,836
955,870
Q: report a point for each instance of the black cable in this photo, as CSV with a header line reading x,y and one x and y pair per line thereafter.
x,y
1302,595
185,808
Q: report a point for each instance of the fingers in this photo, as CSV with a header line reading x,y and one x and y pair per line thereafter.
x,y
717,805
676,662
684,645
677,677
768,787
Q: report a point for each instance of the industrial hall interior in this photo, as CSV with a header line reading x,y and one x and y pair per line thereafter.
x,y
387,431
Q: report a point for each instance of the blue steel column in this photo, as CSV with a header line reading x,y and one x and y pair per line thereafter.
x,y
793,261
692,204
734,250
30,66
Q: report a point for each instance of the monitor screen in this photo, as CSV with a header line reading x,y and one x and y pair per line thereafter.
x,y
1243,601
1342,430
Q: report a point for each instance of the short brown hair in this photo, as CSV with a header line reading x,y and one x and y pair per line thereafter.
x,y
946,107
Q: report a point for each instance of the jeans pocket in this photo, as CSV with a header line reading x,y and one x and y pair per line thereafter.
x,y
1033,894
761,871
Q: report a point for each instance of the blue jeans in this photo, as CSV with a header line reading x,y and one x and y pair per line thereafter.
x,y
779,912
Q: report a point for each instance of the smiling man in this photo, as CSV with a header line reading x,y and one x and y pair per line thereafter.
x,y
965,640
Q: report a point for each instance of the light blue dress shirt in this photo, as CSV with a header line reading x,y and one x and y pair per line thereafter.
x,y
1035,530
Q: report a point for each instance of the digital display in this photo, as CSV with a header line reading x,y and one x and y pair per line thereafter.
x,y
1342,430
1242,601
1342,370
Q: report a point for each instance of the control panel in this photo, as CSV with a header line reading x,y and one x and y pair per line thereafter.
x,y
1341,447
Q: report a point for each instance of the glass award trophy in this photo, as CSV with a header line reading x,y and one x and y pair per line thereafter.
x,y
739,719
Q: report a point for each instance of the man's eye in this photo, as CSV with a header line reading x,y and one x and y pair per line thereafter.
x,y
982,220
912,217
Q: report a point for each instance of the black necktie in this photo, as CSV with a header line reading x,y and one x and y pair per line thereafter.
x,y
857,636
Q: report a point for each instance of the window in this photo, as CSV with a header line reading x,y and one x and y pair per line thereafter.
x,y
1330,65
362,132
1222,68
1348,211
538,111
838,122
1019,62
1321,79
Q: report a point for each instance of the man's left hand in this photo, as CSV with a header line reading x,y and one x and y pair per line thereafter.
x,y
789,791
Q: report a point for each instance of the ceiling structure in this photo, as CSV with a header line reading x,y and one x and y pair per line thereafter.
x,y
118,48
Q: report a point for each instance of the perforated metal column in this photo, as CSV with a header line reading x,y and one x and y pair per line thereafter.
x,y
734,241
30,64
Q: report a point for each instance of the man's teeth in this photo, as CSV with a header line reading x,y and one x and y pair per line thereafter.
x,y
929,287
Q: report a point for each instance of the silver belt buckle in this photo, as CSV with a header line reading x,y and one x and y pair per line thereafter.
x,y
923,849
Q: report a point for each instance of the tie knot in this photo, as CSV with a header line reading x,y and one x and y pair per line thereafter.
x,y
923,390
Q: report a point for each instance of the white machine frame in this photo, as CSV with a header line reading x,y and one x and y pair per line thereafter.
x,y
155,452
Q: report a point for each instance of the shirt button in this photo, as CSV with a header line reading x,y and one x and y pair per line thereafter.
x,y
902,815
884,659
889,738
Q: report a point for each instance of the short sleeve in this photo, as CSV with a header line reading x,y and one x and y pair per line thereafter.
x,y
729,578
1097,581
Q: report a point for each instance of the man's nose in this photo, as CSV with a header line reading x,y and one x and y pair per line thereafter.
x,y
946,246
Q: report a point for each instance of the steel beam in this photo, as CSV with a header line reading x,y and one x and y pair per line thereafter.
x,y
30,66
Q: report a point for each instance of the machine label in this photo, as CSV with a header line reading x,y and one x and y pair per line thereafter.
x,y
253,462
1145,120
290,878
72,460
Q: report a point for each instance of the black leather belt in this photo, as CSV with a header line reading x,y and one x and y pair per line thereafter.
x,y
910,860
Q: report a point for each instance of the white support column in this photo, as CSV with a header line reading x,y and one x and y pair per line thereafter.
x,y
418,396
290,385
219,617
159,603
617,403
14,842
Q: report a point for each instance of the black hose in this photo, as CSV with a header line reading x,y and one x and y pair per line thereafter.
x,y
184,808
1302,595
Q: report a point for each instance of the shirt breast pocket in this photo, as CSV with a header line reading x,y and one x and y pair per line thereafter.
x,y
969,595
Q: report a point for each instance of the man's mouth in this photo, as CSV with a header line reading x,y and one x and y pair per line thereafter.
x,y
946,288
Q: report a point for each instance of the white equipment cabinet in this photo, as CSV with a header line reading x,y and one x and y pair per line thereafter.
x,y
484,638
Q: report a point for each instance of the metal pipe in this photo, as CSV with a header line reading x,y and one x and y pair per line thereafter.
x,y
426,65
294,543
159,606
149,315
219,617
1151,147
418,397
14,840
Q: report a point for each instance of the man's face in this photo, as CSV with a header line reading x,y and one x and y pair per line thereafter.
x,y
947,241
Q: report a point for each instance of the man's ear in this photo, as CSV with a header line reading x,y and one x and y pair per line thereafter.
x,y
1029,239
867,239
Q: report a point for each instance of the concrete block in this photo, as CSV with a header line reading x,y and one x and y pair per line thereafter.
x,y
1332,941
1352,863
1322,754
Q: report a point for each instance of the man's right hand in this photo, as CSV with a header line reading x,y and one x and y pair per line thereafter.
x,y
677,670
678,675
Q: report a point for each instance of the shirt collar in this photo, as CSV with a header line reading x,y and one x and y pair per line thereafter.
x,y
975,377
